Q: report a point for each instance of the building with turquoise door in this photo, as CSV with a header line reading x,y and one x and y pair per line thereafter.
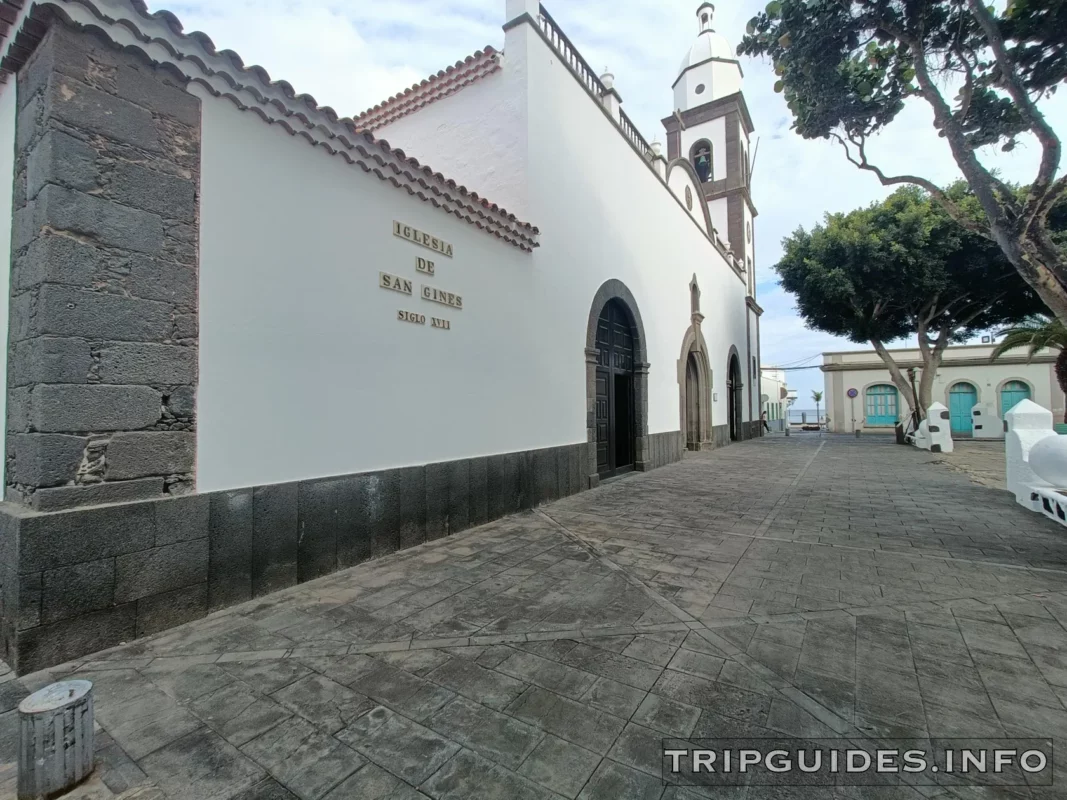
x,y
1012,393
962,398
965,379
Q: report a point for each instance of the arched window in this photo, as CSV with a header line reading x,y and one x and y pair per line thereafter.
x,y
882,405
701,158
1011,394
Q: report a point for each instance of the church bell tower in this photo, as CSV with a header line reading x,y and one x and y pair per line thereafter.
x,y
711,128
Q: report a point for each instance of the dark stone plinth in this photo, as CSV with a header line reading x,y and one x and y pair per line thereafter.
x,y
76,581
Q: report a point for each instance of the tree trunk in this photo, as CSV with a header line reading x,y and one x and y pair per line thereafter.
x,y
1047,265
931,364
1061,375
899,380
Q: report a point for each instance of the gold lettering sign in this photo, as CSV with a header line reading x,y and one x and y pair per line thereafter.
x,y
444,298
387,281
422,238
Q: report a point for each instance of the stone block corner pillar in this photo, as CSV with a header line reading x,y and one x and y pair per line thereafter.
x,y
1025,426
103,339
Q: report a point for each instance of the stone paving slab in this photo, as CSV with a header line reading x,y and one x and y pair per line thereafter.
x,y
807,587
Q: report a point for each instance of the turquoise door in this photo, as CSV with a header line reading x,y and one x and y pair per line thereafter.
x,y
882,405
1013,393
961,399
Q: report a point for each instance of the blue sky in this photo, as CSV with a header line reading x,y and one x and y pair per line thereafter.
x,y
352,54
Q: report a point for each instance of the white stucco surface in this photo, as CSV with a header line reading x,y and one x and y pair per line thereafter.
x,y
8,106
610,217
476,137
305,370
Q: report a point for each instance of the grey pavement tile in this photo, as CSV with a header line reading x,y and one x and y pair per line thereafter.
x,y
405,748
237,713
115,768
699,664
187,683
669,717
417,662
612,781
478,683
470,777
640,748
722,698
560,766
266,677
556,677
373,783
308,762
323,702
493,735
616,698
575,722
612,665
201,766
268,789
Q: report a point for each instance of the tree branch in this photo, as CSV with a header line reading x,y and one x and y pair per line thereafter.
x,y
1012,83
967,91
935,191
983,183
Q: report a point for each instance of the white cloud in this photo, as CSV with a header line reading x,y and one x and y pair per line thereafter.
x,y
352,54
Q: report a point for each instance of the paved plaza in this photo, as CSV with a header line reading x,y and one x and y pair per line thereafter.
x,y
805,586
983,461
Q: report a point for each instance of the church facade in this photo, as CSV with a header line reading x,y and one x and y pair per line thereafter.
x,y
252,342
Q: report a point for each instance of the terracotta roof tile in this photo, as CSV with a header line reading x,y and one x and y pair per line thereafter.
x,y
388,164
444,84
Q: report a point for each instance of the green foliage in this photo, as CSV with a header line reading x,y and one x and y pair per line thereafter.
x,y
881,272
1035,334
849,65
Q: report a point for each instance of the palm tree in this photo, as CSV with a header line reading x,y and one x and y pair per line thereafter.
x,y
817,397
1036,333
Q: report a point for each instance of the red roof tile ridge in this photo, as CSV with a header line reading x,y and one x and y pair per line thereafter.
x,y
480,63
204,42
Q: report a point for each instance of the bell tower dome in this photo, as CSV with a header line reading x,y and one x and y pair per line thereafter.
x,y
710,127
710,69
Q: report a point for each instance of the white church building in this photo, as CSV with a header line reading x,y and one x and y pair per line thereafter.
x,y
252,341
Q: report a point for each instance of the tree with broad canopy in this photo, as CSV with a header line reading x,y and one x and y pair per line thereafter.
x,y
901,268
846,68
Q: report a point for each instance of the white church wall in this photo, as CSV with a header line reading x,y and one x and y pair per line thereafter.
x,y
8,105
305,370
477,137
720,218
715,132
604,214
678,181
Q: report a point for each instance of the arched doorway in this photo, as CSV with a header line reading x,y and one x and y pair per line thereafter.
x,y
1011,394
734,397
692,402
962,398
615,402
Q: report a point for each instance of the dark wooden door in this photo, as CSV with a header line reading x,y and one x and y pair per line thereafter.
x,y
614,392
734,385
692,403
